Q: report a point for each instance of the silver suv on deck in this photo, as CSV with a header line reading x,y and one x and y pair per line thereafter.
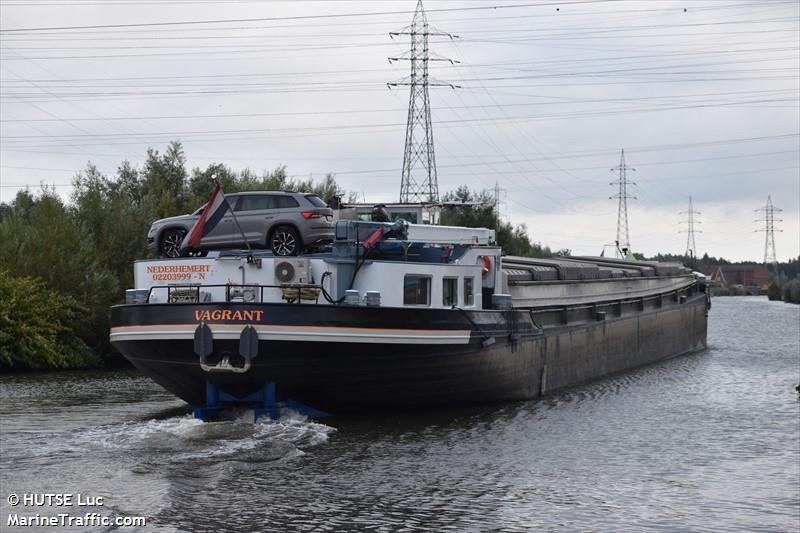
x,y
285,222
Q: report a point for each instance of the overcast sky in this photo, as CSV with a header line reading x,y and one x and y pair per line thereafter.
x,y
702,95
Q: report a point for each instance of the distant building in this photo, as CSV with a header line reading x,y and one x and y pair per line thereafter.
x,y
744,275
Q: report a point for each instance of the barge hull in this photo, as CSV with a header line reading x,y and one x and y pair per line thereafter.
x,y
533,352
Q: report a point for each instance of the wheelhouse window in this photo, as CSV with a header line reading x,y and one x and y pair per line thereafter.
x,y
469,294
450,292
408,216
417,290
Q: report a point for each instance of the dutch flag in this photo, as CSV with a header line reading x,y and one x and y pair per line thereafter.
x,y
215,209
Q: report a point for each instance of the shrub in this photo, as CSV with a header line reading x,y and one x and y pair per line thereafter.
x,y
37,327
791,291
774,290
43,241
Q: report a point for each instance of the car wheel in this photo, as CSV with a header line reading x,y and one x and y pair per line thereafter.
x,y
284,241
171,242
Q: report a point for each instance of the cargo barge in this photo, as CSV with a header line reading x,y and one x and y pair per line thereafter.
x,y
396,316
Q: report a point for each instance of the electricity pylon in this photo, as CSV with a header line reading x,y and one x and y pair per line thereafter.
x,y
419,182
770,258
497,203
623,241
691,247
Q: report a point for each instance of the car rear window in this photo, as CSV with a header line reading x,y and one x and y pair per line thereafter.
x,y
315,200
282,202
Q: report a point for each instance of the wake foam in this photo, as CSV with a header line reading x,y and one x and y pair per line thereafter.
x,y
184,438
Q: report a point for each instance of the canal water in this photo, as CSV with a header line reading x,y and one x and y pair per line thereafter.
x,y
706,442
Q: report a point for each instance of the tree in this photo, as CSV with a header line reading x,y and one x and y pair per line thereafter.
x,y
774,290
328,189
37,326
129,184
202,183
45,241
477,210
165,180
118,215
790,291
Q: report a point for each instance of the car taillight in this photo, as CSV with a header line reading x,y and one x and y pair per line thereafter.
x,y
311,214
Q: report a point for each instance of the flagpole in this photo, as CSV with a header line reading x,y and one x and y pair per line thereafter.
x,y
236,220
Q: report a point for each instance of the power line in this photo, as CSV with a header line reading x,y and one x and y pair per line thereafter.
x,y
296,17
194,24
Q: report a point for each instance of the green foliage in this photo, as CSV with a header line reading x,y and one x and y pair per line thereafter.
x,y
790,269
37,327
710,259
44,240
201,183
774,290
164,181
732,290
117,215
478,211
5,211
790,292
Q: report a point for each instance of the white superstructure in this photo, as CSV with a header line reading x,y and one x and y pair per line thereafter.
x,y
430,266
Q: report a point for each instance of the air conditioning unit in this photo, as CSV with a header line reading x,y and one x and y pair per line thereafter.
x,y
293,270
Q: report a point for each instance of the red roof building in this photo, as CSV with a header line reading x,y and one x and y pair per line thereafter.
x,y
745,275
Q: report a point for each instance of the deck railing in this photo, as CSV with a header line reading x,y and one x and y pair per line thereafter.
x,y
249,293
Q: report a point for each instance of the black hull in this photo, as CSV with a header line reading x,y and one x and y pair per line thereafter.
x,y
532,353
